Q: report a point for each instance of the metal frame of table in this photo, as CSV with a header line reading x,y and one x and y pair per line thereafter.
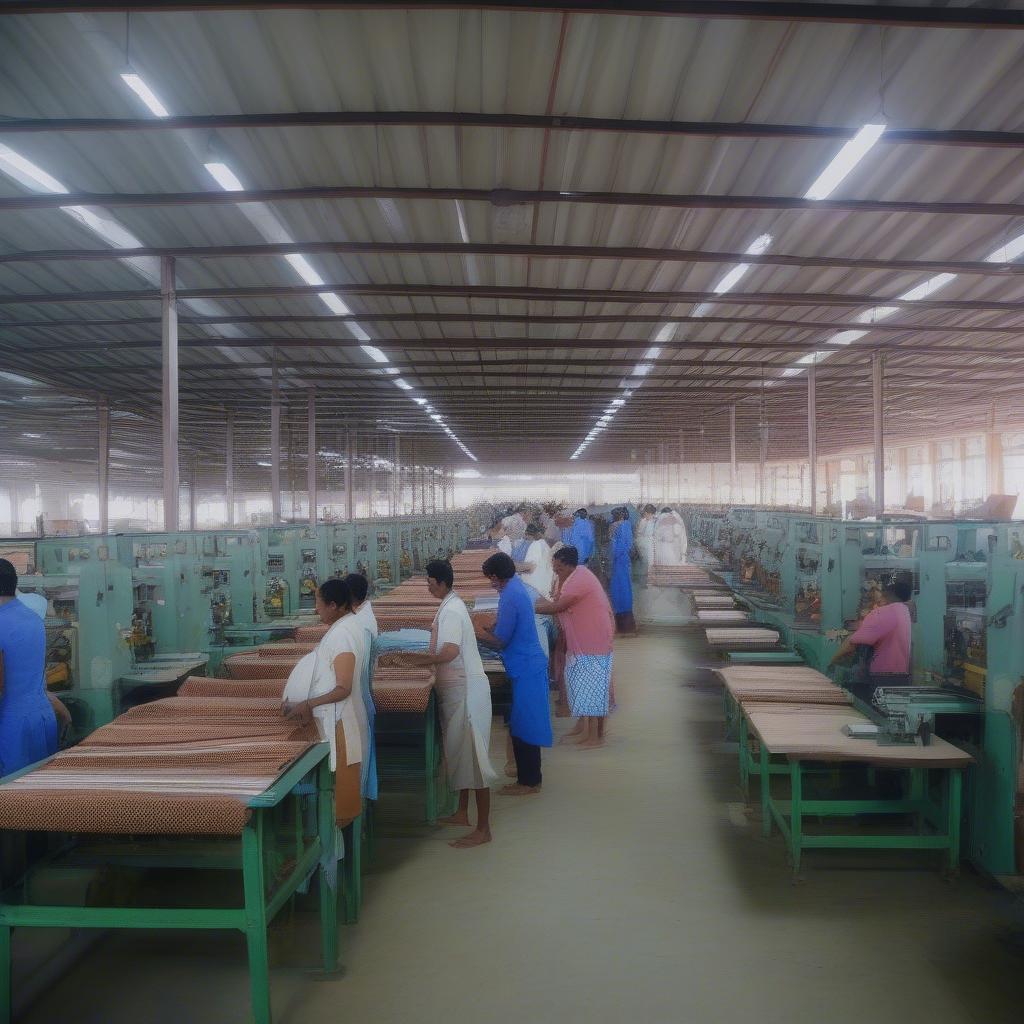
x,y
310,776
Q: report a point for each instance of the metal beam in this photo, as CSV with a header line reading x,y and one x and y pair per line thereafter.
x,y
878,422
103,464
311,491
628,296
169,393
921,16
522,197
275,447
525,319
560,252
812,435
229,465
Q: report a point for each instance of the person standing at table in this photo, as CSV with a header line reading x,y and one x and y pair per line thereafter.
x,y
515,635
580,536
586,621
464,693
620,588
362,615
28,720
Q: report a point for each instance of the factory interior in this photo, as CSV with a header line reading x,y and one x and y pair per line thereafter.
x,y
511,511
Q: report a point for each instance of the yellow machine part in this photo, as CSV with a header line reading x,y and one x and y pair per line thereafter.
x,y
58,675
974,678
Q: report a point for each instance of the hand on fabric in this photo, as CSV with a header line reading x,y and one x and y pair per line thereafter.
x,y
298,711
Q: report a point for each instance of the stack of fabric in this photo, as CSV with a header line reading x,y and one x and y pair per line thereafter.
x,y
180,766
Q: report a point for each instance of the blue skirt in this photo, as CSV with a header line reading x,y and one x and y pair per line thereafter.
x,y
531,711
26,737
620,590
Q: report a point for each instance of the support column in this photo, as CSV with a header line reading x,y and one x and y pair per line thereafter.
x,y
812,435
398,474
762,458
447,485
193,481
993,456
103,482
169,391
732,453
275,447
412,474
311,455
433,490
878,406
229,466
350,476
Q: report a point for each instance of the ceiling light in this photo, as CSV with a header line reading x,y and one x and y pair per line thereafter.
x,y
436,417
224,176
374,353
27,173
143,91
618,401
844,161
301,266
265,464
420,401
391,371
35,437
404,385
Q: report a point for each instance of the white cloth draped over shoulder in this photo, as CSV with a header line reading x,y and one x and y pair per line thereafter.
x,y
314,676
464,693
669,539
542,576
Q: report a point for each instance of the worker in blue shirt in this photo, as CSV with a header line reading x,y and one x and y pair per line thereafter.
x,y
580,536
515,635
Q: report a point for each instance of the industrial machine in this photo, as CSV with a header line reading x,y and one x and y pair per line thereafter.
x,y
292,570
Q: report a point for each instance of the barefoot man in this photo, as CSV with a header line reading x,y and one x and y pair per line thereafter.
x,y
585,618
515,635
465,696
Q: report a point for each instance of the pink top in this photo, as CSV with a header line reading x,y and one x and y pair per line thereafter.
x,y
887,629
589,625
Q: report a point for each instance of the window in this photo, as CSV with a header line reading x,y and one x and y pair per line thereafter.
x,y
1013,469
975,483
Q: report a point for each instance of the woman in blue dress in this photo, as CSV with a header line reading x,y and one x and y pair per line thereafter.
x,y
28,725
620,589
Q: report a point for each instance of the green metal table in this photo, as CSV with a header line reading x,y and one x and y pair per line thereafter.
x,y
271,875
812,739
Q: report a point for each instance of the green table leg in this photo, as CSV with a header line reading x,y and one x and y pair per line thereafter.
x,y
955,784
796,812
766,782
5,974
918,792
745,758
256,917
328,896
353,870
430,760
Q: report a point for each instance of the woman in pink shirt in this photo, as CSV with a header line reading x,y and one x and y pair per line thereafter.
x,y
586,619
886,630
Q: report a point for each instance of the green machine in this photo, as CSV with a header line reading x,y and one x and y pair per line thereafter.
x,y
292,570
995,844
406,557
337,549
89,625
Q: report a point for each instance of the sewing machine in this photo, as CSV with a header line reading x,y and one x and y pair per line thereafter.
x,y
907,714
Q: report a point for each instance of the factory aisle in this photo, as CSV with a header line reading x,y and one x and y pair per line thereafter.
x,y
634,888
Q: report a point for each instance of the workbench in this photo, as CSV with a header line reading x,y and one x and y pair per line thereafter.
x,y
276,831
809,736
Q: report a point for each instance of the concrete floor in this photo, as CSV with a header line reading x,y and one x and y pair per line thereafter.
x,y
635,888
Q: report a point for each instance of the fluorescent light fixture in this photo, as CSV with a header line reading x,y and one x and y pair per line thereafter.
x,y
301,266
143,91
34,437
404,385
266,465
27,173
374,353
844,161
420,401
224,176
1007,253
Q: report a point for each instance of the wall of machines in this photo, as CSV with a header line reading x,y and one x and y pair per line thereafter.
x,y
813,578
127,612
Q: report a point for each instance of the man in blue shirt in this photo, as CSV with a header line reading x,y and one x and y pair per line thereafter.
x,y
580,536
515,635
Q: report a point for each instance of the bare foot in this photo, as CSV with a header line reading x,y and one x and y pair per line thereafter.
x,y
474,838
516,790
454,819
569,737
510,771
590,744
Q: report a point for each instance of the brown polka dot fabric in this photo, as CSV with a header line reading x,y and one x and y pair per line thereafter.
x,y
252,666
310,634
204,686
395,697
396,659
285,650
205,707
